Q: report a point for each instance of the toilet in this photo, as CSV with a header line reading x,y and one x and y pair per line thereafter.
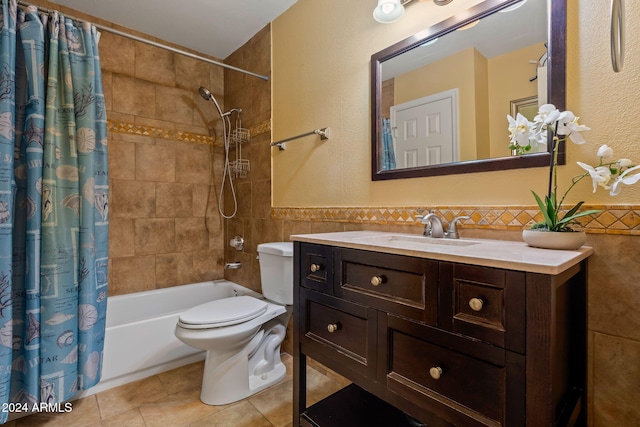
x,y
242,334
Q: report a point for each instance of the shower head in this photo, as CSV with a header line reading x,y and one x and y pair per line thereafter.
x,y
205,93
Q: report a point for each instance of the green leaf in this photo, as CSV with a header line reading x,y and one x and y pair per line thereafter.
x,y
574,209
572,218
543,209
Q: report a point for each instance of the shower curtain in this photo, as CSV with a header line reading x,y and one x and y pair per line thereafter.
x,y
388,151
53,207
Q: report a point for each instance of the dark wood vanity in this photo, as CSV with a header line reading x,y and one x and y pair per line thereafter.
x,y
438,339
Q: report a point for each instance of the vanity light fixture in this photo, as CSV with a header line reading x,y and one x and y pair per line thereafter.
x,y
389,11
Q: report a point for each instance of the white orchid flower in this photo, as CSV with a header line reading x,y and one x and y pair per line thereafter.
x,y
605,152
547,114
568,125
600,175
624,163
519,129
626,179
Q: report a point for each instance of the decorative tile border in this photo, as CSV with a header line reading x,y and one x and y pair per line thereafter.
x,y
190,137
615,219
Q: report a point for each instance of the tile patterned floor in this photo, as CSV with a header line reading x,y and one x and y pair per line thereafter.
x,y
171,399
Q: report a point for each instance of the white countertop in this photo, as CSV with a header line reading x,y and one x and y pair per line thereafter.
x,y
484,252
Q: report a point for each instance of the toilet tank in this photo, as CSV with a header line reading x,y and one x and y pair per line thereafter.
x,y
276,271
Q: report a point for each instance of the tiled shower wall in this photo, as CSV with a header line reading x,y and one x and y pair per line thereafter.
x,y
162,136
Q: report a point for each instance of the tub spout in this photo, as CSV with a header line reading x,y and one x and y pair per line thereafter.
x,y
233,265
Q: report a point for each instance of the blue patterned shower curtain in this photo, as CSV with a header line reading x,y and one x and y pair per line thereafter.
x,y
53,207
388,151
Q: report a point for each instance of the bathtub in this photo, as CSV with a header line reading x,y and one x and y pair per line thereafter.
x,y
139,338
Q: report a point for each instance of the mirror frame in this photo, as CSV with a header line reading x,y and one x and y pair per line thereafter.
x,y
556,91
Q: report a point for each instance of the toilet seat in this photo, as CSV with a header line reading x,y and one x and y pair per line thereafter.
x,y
222,312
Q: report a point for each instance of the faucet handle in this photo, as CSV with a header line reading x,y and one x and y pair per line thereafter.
x,y
432,225
452,231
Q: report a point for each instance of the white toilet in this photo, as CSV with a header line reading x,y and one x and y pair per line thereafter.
x,y
242,334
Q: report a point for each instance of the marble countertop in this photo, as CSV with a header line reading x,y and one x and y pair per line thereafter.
x,y
484,252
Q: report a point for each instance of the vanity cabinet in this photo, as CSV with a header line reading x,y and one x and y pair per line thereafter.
x,y
433,342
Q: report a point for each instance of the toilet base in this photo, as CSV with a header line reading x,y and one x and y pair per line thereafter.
x,y
230,378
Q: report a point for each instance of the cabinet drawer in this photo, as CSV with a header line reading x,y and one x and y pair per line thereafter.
x,y
340,331
316,267
466,382
393,283
484,303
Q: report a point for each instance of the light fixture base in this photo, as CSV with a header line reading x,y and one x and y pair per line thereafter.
x,y
442,2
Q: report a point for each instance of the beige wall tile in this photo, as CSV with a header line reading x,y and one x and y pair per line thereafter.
x,y
174,269
156,162
117,53
614,274
191,234
156,123
174,200
121,241
133,96
261,156
261,203
616,382
133,199
154,236
203,194
193,164
208,265
107,84
134,274
122,160
191,73
154,64
243,197
174,104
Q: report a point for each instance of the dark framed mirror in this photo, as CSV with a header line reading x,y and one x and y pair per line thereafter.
x,y
450,76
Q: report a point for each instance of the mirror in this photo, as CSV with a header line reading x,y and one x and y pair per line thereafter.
x,y
440,98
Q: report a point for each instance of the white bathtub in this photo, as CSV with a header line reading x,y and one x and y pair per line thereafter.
x,y
139,339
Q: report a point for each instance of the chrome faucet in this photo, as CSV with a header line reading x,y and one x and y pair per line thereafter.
x,y
452,231
432,226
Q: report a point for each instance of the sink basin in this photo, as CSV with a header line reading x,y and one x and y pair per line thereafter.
x,y
418,240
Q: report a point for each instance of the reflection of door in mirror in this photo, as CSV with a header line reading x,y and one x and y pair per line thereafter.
x,y
425,130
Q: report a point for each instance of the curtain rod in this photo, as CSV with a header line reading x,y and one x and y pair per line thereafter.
x,y
152,43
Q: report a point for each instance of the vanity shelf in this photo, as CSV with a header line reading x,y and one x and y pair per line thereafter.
x,y
440,337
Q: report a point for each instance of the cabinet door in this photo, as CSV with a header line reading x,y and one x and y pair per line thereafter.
x,y
339,334
484,303
392,283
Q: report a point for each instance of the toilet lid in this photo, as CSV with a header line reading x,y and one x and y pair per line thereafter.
x,y
224,312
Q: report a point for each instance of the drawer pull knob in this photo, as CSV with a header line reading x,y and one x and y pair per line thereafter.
x,y
332,327
377,280
316,267
435,372
476,304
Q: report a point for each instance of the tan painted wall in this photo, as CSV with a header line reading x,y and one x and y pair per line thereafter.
x,y
321,78
509,76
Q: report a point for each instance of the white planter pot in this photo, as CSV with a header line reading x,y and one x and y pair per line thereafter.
x,y
568,240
